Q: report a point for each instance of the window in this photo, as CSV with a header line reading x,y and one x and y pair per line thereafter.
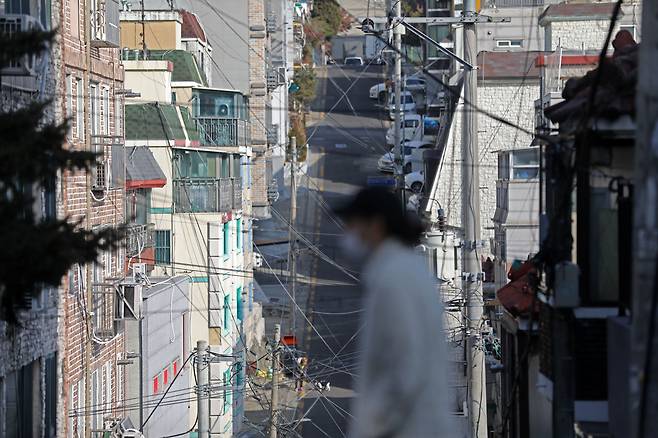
x,y
20,388
165,376
119,381
227,236
509,44
107,264
227,392
106,111
238,306
175,367
80,110
94,113
118,116
238,234
525,164
227,310
156,384
162,247
69,95
411,123
438,4
107,384
96,394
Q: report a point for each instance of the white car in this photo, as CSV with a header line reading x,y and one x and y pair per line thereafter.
x,y
378,91
414,181
386,163
407,104
353,60
414,84
408,129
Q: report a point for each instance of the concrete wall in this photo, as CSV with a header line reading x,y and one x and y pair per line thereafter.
x,y
509,99
152,79
590,34
163,343
164,34
523,26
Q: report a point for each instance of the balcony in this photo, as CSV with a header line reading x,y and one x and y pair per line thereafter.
x,y
218,131
140,237
207,195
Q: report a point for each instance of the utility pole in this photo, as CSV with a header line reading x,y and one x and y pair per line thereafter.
x,y
477,393
274,406
292,238
644,345
397,79
203,389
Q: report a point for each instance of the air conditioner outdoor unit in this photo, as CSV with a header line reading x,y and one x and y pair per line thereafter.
x,y
139,271
28,65
128,301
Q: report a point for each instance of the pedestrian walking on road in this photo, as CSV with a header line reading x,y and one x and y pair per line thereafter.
x,y
402,387
302,362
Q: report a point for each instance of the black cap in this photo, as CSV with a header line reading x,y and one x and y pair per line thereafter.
x,y
380,202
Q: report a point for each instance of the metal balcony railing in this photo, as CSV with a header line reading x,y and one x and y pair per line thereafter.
x,y
140,237
218,131
207,195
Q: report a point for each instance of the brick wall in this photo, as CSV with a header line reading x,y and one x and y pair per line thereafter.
x,y
107,210
258,101
513,101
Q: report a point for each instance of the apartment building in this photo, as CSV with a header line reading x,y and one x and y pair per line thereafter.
x,y
93,380
30,401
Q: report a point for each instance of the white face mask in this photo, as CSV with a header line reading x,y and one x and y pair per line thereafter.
x,y
354,247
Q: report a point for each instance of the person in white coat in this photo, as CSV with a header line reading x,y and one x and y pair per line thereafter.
x,y
402,386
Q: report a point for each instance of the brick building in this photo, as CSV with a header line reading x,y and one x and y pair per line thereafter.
x,y
92,83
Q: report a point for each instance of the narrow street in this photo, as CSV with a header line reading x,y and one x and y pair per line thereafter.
x,y
346,137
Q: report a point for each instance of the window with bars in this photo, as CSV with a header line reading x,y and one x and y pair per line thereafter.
x,y
227,312
162,247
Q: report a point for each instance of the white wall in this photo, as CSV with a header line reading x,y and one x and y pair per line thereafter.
x,y
513,101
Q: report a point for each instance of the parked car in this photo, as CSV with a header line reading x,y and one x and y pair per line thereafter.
x,y
414,84
386,162
414,127
354,61
378,92
407,104
414,181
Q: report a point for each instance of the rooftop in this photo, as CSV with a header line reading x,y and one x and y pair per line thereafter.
x,y
576,12
507,65
185,67
142,170
154,121
192,27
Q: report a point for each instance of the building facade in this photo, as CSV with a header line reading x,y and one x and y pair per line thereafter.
x,y
29,377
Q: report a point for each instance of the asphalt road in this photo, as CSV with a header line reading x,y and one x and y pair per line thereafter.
x,y
344,147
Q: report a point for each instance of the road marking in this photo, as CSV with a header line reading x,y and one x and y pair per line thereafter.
x,y
341,146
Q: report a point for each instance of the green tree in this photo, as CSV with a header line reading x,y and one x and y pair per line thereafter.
x,y
306,80
37,249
